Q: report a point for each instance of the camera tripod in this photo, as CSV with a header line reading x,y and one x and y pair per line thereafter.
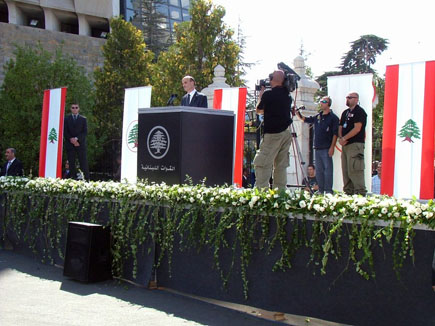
x,y
298,159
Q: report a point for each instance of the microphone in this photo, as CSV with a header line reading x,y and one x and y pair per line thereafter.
x,y
171,99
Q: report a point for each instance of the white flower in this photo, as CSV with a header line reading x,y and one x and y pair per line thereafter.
x,y
302,204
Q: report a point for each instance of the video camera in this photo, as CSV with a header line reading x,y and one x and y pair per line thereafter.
x,y
290,80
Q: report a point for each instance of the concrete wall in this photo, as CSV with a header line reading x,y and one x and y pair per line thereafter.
x,y
85,50
100,8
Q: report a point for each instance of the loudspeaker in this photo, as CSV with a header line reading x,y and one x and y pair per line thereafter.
x,y
87,254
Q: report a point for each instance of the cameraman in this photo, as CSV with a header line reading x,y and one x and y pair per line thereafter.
x,y
273,154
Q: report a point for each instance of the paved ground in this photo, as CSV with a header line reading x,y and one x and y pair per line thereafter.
x,y
35,294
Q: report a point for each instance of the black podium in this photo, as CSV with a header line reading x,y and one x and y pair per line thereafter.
x,y
175,142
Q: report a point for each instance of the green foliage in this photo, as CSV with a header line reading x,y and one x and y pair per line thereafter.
x,y
378,118
200,45
362,54
32,71
127,63
357,60
323,83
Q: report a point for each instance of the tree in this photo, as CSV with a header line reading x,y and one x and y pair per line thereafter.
x,y
127,63
242,65
378,118
200,45
153,24
363,54
32,71
358,60
323,83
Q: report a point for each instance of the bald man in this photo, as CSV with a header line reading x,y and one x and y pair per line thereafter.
x,y
192,97
351,133
272,159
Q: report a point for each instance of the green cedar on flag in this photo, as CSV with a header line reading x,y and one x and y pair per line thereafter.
x,y
52,136
409,130
133,135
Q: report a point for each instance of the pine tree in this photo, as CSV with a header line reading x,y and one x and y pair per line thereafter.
x,y
362,54
127,63
153,24
200,45
410,130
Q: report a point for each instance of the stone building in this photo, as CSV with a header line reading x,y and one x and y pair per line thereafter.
x,y
80,26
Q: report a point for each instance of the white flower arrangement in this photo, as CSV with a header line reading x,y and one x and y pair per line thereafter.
x,y
268,201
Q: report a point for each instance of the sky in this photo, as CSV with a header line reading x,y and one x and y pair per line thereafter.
x,y
276,29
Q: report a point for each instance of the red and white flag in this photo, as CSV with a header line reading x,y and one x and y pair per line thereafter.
x,y
409,129
234,99
50,154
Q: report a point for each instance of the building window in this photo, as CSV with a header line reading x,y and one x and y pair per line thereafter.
x,y
185,4
186,15
174,3
129,4
175,13
129,15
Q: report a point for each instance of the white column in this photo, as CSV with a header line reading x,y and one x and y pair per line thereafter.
x,y
305,97
84,28
51,21
218,82
15,15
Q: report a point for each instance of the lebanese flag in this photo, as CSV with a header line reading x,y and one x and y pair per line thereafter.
x,y
409,129
234,99
50,154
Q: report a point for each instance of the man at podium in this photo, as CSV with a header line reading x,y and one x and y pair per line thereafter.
x,y
192,97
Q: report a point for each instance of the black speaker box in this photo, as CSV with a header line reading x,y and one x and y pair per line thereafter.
x,y
87,254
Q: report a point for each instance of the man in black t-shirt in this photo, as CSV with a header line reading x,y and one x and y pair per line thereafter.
x,y
351,133
273,154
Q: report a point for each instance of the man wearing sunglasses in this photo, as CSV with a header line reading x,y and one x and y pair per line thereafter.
x,y
325,136
351,133
75,132
273,155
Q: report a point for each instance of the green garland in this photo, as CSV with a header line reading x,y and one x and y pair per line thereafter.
x,y
224,219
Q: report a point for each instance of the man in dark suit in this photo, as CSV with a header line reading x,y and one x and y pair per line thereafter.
x,y
75,132
192,97
13,166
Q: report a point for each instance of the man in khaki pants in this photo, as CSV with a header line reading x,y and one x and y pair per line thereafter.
x,y
273,154
351,133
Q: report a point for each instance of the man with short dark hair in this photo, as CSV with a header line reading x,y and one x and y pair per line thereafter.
x,y
351,133
273,155
192,97
310,182
325,137
13,167
75,133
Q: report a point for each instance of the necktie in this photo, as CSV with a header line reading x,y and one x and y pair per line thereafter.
x,y
188,98
75,117
7,167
